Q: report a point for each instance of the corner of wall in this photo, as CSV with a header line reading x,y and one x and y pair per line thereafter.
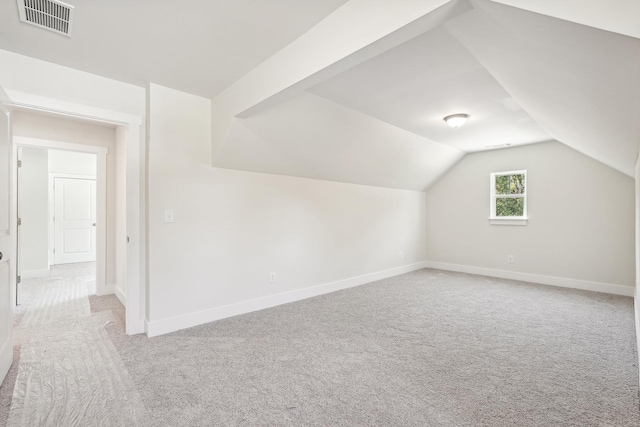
x,y
165,326
108,289
220,123
444,173
121,295
563,282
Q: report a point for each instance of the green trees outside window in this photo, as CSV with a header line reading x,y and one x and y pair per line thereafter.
x,y
508,194
510,185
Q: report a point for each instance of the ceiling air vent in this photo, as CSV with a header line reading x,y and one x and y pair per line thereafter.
x,y
50,14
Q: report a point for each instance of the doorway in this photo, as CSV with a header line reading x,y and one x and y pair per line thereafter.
x,y
129,241
57,215
61,209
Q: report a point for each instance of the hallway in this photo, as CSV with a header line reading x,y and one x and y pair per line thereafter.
x,y
66,369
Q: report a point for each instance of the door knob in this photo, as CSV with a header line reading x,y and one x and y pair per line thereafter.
x,y
0,255
94,224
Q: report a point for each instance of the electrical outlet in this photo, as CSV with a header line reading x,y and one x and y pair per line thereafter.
x,y
272,277
400,255
510,259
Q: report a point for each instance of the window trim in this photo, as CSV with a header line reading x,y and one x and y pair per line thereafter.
x,y
508,220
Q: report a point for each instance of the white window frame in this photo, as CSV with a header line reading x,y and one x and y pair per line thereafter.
x,y
508,220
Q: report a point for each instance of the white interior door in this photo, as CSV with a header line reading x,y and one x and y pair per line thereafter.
x,y
6,246
74,220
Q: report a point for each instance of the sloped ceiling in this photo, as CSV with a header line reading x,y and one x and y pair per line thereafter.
x,y
433,75
579,83
355,90
313,137
524,77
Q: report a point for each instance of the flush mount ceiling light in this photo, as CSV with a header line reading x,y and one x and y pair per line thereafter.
x,y
456,120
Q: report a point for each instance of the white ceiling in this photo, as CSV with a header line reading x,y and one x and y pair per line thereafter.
x,y
360,97
523,77
580,83
312,137
196,46
417,84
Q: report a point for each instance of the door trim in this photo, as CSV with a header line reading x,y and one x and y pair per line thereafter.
x,y
7,243
133,135
136,197
101,197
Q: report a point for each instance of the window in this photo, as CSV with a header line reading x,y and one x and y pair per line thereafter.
x,y
509,198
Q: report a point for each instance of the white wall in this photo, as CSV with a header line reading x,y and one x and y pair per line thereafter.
x,y
581,217
54,128
233,228
34,211
637,255
74,163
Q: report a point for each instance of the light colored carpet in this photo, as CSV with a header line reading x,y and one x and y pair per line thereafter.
x,y
426,348
69,372
58,299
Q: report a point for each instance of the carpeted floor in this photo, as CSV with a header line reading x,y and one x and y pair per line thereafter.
x,y
428,348
68,371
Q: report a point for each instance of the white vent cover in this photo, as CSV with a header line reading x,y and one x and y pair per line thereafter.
x,y
50,14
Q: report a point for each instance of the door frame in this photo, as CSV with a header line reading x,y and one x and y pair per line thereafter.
x,y
6,347
133,131
101,197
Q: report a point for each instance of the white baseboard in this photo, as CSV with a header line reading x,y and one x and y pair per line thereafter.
x,y
29,274
108,289
563,282
164,326
121,295
636,310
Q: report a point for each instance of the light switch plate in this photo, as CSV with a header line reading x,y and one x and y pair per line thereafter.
x,y
168,215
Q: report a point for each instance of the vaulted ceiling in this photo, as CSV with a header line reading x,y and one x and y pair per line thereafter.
x,y
355,91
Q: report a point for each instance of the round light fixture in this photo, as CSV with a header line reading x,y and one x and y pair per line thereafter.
x,y
456,120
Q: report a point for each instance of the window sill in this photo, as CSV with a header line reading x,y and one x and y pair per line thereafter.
x,y
508,221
